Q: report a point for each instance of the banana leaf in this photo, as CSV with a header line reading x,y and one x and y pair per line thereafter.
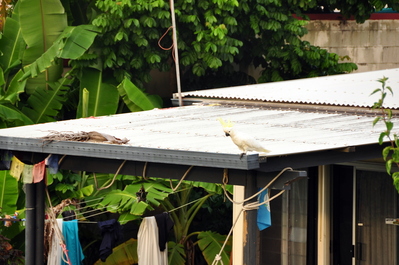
x,y
127,199
12,45
71,44
124,254
176,254
41,21
15,88
135,99
103,97
11,114
211,243
44,105
8,193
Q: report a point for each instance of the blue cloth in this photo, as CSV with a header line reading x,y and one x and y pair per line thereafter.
x,y
264,218
75,252
52,164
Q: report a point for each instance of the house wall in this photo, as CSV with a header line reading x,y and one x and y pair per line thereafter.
x,y
373,45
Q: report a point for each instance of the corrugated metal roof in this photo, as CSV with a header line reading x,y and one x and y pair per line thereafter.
x,y
339,90
196,128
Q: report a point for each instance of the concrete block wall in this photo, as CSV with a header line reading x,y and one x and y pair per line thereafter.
x,y
373,45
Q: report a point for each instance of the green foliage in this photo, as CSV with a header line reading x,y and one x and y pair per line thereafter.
x,y
210,243
389,153
136,99
8,193
176,253
211,36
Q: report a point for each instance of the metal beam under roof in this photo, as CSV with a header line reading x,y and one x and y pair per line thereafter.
x,y
130,153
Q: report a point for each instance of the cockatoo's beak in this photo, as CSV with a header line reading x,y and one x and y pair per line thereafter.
x,y
227,134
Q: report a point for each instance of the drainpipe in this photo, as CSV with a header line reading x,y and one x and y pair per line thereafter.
x,y
251,238
39,241
30,228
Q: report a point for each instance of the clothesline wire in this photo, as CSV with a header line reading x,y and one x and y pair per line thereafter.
x,y
95,214
87,206
184,205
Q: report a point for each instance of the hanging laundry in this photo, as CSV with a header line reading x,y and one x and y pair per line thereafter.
x,y
68,215
6,157
55,251
16,167
70,233
38,171
52,163
264,219
111,233
148,244
165,225
27,174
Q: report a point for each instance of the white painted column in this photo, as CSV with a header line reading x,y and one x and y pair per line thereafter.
x,y
238,231
323,225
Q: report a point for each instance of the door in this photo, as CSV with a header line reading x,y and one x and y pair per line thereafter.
x,y
361,200
376,199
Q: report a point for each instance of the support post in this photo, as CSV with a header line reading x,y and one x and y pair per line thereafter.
x,y
39,243
251,238
30,229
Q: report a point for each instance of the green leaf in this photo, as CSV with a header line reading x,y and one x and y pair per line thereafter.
x,y
41,22
395,155
388,166
127,200
8,193
120,201
77,41
381,138
376,120
71,44
385,152
84,192
389,125
134,97
211,243
103,97
15,88
12,114
125,253
44,105
395,177
375,91
12,45
176,254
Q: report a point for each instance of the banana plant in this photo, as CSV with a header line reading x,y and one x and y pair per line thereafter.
x,y
209,242
8,193
23,68
182,204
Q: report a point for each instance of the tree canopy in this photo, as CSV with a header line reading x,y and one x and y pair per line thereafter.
x,y
212,35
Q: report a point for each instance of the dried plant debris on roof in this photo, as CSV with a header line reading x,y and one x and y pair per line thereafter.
x,y
93,137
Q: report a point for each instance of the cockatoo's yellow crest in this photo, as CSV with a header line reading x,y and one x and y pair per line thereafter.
x,y
225,124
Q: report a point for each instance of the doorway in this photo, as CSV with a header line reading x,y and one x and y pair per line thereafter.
x,y
361,202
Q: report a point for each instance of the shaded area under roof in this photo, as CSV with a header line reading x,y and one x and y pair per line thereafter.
x,y
352,90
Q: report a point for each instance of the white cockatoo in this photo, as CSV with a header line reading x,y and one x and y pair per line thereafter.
x,y
244,142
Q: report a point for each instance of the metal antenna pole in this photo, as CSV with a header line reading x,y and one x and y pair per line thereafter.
x,y
172,10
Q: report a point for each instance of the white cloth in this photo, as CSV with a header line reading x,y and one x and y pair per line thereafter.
x,y
55,251
147,244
